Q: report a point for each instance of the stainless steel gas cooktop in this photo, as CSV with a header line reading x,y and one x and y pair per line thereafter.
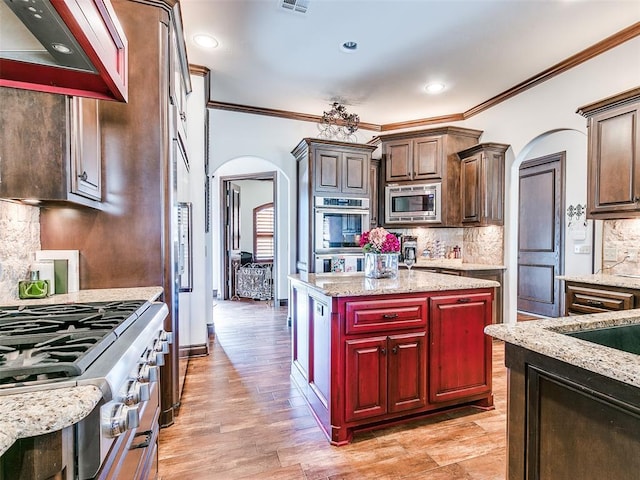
x,y
48,343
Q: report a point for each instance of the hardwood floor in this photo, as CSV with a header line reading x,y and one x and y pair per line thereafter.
x,y
241,418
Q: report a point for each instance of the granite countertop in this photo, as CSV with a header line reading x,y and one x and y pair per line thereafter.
x,y
36,413
547,338
95,295
623,281
355,284
454,264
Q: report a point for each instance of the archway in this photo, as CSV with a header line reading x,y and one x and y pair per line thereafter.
x,y
248,167
574,143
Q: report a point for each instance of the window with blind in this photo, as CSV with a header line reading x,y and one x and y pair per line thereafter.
x,y
263,231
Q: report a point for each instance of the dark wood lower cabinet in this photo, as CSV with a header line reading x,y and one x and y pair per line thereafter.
x,y
367,361
565,422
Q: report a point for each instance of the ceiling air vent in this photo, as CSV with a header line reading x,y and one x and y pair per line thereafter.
x,y
299,6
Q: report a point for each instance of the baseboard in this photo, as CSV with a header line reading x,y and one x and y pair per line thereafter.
x,y
194,350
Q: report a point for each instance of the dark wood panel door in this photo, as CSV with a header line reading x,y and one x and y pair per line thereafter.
x,y
470,171
614,156
597,436
355,173
459,351
540,235
427,158
327,170
86,152
407,378
399,163
366,378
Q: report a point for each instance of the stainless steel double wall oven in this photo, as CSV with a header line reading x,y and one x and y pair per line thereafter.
x,y
338,226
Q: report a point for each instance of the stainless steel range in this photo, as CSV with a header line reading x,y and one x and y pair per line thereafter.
x,y
116,346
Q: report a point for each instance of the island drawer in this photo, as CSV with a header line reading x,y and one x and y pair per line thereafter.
x,y
581,300
385,315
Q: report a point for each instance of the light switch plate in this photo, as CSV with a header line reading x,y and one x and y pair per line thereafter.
x,y
586,248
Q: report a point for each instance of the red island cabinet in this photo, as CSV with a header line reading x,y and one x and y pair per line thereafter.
x,y
368,361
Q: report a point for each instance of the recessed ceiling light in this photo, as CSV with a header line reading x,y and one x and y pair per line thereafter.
x,y
349,47
434,87
204,40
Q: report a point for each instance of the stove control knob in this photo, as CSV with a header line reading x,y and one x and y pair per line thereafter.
x,y
135,392
161,346
154,358
166,336
158,358
121,419
147,373
145,392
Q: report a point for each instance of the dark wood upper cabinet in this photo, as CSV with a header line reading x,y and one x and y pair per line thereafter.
x,y
429,156
85,168
50,148
613,156
334,167
414,159
94,63
482,184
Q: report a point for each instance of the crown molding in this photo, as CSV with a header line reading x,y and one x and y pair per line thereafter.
x,y
567,64
271,112
199,70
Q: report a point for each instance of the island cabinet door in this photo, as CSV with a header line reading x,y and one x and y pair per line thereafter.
x,y
459,351
365,378
406,371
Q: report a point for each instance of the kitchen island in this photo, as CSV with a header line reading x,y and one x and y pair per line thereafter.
x,y
574,403
370,352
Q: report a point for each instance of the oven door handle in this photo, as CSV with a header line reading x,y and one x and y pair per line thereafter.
x,y
344,210
144,443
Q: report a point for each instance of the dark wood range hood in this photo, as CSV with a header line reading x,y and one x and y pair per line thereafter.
x,y
71,47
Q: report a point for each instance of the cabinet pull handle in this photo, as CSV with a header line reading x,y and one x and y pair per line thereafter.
x,y
83,176
595,303
390,315
383,351
395,350
145,443
464,300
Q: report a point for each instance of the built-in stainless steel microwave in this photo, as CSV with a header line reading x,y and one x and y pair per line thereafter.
x,y
412,203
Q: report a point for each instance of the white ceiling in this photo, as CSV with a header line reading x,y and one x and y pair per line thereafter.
x,y
273,58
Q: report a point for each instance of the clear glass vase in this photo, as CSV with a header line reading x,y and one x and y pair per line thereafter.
x,y
381,265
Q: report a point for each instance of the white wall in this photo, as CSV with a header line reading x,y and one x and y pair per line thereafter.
x,y
521,121
196,307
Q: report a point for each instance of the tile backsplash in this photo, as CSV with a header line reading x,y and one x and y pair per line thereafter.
x,y
484,245
620,239
19,238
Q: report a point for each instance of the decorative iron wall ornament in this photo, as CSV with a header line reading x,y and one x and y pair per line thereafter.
x,y
339,124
